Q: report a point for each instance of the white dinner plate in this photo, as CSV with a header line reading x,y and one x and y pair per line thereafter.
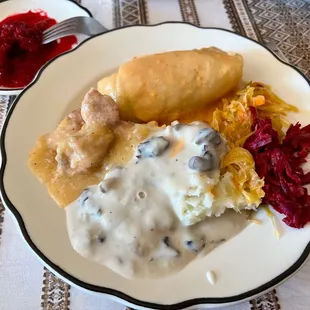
x,y
246,266
69,8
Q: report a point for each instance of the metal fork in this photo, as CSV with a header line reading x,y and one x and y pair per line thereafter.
x,y
75,25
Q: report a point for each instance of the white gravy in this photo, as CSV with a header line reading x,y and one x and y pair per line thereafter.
x,y
150,218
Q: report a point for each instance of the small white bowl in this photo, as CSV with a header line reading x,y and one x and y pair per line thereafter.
x,y
57,9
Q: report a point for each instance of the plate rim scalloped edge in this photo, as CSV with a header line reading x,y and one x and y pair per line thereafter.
x,y
100,289
23,88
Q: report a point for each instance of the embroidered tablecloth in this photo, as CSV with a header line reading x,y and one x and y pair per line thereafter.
x,y
24,283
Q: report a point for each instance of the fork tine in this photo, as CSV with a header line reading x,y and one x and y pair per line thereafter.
x,y
56,31
68,22
75,25
58,36
58,26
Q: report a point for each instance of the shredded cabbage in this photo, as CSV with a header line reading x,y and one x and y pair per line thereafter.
x,y
273,221
234,121
273,107
240,163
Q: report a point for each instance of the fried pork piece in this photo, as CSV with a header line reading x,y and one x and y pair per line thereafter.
x,y
83,138
69,126
99,109
83,147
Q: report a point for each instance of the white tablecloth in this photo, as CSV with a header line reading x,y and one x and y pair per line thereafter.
x,y
24,283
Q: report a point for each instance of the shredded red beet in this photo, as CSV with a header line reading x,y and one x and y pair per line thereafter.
x,y
280,165
21,51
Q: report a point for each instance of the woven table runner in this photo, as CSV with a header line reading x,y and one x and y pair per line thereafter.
x,y
24,283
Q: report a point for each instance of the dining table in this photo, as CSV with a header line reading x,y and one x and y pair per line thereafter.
x,y
25,284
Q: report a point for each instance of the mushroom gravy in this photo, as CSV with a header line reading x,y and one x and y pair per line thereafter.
x,y
152,216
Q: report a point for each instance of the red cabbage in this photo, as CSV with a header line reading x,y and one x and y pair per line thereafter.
x,y
280,166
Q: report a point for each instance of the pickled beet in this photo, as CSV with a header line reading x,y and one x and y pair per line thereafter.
x,y
280,166
21,51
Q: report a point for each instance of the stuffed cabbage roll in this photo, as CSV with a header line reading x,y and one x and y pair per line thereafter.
x,y
165,87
